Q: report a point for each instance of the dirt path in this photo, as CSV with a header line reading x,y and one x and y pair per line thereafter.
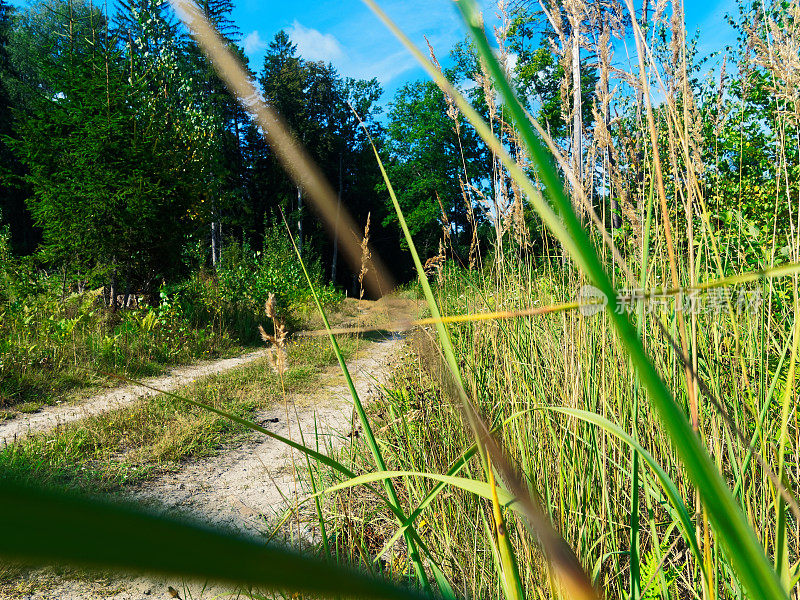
x,y
51,416
246,487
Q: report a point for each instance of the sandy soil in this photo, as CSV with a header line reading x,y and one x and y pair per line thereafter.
x,y
246,488
52,416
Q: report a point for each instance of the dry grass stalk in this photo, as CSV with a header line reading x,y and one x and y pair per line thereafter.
x,y
366,257
277,356
452,110
435,264
473,224
603,139
777,49
720,116
453,114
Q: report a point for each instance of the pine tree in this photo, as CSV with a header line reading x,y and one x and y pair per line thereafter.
x,y
148,26
218,12
282,80
13,213
5,75
108,183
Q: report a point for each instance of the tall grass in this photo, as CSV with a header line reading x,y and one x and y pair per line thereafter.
x,y
564,454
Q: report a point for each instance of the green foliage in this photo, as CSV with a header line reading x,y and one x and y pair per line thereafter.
x,y
19,277
250,277
539,76
49,347
427,164
231,300
314,100
51,344
102,198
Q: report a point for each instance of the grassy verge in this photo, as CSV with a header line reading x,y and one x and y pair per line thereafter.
x,y
105,452
50,349
57,351
55,344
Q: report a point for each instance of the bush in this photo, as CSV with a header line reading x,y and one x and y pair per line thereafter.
x,y
250,277
232,299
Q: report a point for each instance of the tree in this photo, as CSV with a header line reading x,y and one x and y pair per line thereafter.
x,y
312,98
283,82
5,66
148,26
10,201
426,165
356,164
541,71
107,181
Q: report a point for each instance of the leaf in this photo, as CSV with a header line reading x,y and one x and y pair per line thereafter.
x,y
478,488
56,526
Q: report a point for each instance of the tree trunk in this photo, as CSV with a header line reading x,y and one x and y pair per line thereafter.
x,y
126,300
336,226
300,220
112,295
216,234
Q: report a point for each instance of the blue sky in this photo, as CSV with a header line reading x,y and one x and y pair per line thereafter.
x,y
347,34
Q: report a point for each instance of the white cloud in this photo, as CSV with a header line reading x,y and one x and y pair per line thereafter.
x,y
513,59
386,68
253,44
314,45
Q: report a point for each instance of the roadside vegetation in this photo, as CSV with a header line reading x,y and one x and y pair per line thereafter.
x,y
126,446
54,341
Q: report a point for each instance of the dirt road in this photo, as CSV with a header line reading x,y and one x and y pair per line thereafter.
x,y
245,488
51,416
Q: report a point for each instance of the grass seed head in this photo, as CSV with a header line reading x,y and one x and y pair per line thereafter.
x,y
366,257
269,306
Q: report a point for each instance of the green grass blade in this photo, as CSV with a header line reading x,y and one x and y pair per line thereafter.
x,y
509,570
56,526
573,574
441,328
478,488
457,465
394,501
669,487
512,583
781,541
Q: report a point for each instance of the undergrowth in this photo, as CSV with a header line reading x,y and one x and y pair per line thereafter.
x,y
53,342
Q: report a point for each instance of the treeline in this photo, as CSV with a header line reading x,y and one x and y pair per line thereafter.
x,y
125,161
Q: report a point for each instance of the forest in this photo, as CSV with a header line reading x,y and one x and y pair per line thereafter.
x,y
527,327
